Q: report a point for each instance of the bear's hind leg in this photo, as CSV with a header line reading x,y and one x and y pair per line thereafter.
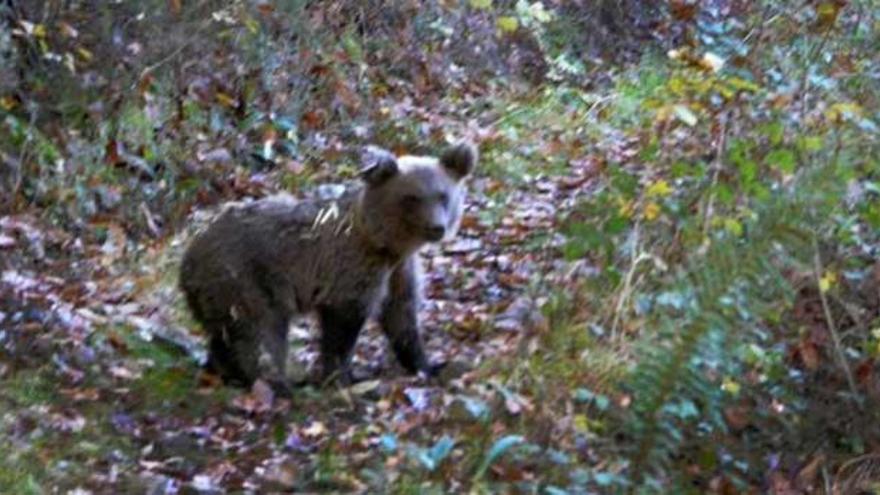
x,y
220,360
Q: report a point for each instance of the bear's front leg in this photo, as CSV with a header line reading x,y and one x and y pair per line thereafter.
x,y
400,318
233,351
340,326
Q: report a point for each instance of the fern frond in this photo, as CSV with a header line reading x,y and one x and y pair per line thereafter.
x,y
673,368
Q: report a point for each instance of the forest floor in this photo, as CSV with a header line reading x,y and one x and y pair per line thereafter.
x,y
111,397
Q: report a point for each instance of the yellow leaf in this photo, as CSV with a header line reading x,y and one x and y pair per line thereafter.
x,y
626,208
658,189
507,24
730,386
652,211
252,25
481,4
827,281
226,100
726,92
677,85
843,110
664,113
741,84
85,54
7,103
581,423
733,226
39,30
827,13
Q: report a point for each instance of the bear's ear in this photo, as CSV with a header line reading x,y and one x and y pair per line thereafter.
x,y
379,166
459,159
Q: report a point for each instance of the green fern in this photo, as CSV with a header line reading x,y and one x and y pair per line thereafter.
x,y
675,364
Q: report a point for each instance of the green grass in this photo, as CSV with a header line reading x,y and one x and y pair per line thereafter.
x,y
28,388
41,455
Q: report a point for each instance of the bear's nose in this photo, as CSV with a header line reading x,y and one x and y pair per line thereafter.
x,y
435,232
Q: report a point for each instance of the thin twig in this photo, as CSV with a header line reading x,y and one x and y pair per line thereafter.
x,y
832,327
758,31
636,257
150,68
600,102
717,165
826,478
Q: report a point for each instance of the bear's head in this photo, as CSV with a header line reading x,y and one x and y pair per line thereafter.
x,y
409,201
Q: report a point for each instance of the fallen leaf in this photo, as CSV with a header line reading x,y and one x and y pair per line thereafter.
x,y
315,429
6,241
685,115
259,400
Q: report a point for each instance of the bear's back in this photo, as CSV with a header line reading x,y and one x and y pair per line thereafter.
x,y
293,255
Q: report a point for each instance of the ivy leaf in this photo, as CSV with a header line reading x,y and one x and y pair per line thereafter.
x,y
603,479
481,4
583,395
352,47
748,170
388,442
733,226
810,143
775,132
431,458
441,449
498,448
477,408
783,159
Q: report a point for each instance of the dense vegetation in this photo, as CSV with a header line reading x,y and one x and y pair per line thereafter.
x,y
667,279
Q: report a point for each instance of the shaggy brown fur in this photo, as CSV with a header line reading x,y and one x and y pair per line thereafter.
x,y
261,263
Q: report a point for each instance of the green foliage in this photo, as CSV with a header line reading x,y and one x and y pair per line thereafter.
x,y
693,345
698,244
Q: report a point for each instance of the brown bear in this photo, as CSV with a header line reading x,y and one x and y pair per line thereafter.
x,y
346,259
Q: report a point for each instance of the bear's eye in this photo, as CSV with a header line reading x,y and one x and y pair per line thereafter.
x,y
411,200
443,198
